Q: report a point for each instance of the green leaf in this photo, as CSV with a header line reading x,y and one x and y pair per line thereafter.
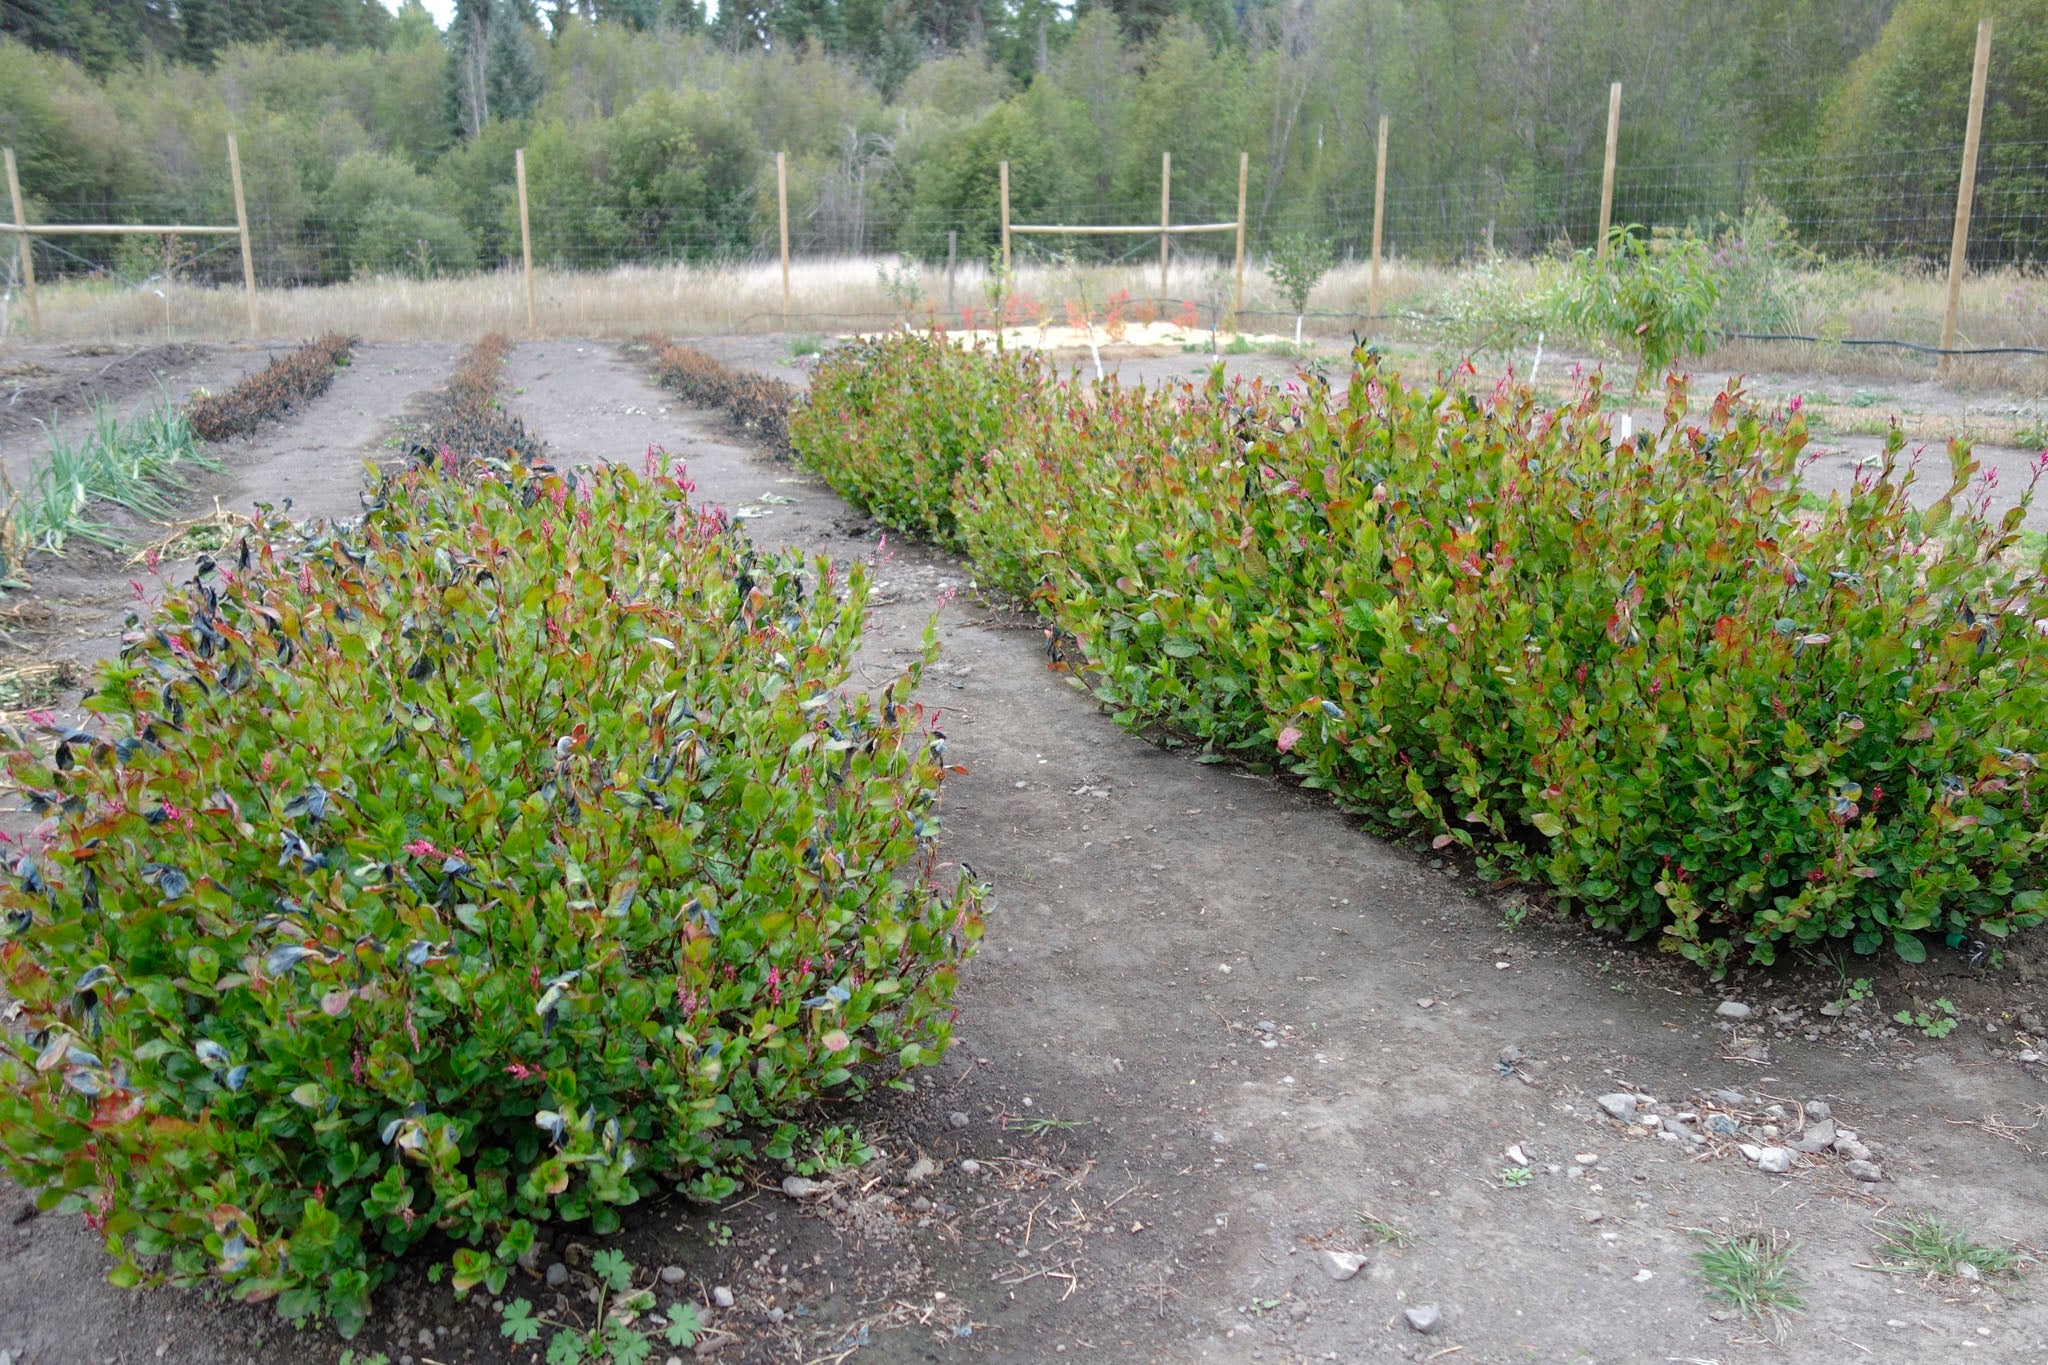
x,y
519,1323
1909,947
611,1266
683,1324
1548,823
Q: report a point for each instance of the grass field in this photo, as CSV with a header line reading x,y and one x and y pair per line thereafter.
x,y
2000,308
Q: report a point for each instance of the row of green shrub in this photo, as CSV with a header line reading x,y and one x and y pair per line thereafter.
x,y
497,858
285,383
1640,673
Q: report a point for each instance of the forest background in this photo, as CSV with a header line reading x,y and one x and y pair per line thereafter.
x,y
377,143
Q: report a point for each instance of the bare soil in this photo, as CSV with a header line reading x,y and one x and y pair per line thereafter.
x,y
1213,1028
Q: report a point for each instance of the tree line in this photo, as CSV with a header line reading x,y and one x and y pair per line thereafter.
x,y
376,142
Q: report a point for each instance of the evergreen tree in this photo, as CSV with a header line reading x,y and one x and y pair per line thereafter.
x,y
205,30
512,74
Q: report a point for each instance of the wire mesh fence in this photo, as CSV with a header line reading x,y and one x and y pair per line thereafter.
x,y
1893,211
1894,207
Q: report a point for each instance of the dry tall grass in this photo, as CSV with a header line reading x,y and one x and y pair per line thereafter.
x,y
827,296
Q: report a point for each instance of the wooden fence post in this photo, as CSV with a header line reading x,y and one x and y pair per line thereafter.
x,y
525,239
1165,216
1005,170
242,230
28,260
782,219
1966,192
1379,217
1244,171
1607,171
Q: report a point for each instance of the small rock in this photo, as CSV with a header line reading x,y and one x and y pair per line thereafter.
x,y
1298,1310
921,1170
958,1119
1732,1009
1587,1158
1266,1026
1734,1099
529,1260
1968,1271
1218,1139
673,1274
1342,1265
722,1296
1867,1171
558,1275
1424,1318
1723,1125
1774,1160
776,1315
1817,1109
1645,1275
797,1187
1619,1106
1750,1150
1818,1137
970,1167
1515,1154
426,1338
1852,1149
920,1205
1260,1166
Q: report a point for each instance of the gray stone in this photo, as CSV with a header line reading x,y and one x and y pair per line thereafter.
x,y
1867,1171
426,1338
1425,1318
1342,1265
1852,1149
722,1296
921,1170
1774,1160
1266,1026
1734,1099
1751,1151
1818,1137
673,1274
529,1261
970,1167
1732,1009
558,1275
1817,1109
1723,1125
796,1187
958,1119
1618,1105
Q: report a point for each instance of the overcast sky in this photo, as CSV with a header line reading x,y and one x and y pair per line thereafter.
x,y
444,10
440,9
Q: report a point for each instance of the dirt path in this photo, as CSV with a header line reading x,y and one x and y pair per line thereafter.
x,y
1214,1025
314,459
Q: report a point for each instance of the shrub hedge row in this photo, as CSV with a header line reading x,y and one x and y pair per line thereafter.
x,y
272,391
1641,673
491,859
759,404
